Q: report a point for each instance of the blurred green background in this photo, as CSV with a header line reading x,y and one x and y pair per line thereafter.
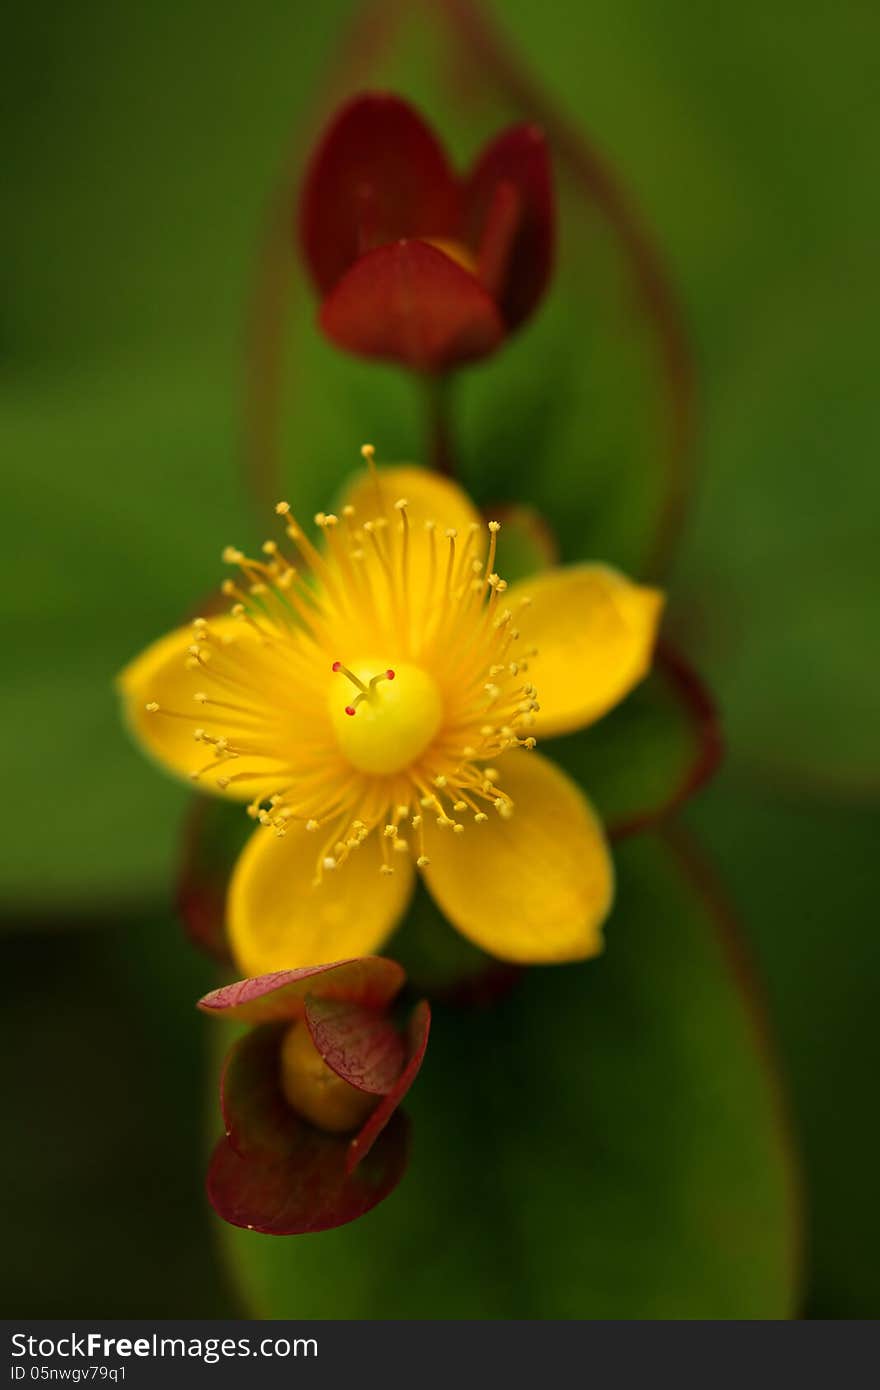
x,y
142,145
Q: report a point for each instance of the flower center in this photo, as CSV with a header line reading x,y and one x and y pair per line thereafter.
x,y
456,251
314,1090
383,717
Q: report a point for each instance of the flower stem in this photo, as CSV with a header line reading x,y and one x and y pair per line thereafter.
x,y
439,451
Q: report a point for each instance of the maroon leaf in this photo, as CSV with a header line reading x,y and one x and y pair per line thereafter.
x,y
214,833
360,1045
419,1028
371,980
411,303
256,1115
510,216
312,1188
379,174
706,750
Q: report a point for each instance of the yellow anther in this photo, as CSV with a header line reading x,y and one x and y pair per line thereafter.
x,y
423,861
495,526
152,707
311,825
385,869
282,508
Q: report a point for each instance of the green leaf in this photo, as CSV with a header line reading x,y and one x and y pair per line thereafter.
x,y
796,482
606,1142
103,578
649,754
805,876
764,194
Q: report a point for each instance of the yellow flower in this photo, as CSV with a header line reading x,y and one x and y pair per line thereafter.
x,y
376,702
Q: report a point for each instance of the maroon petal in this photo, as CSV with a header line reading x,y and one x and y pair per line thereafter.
x,y
362,1143
377,175
309,1190
360,1045
371,981
256,1117
413,304
510,219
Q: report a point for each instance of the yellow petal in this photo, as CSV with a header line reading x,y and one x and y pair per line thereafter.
x,y
535,888
431,497
594,631
280,920
160,676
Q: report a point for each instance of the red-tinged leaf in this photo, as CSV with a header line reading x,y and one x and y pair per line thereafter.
x,y
360,1045
214,833
256,1116
379,174
310,1190
410,303
697,707
419,1028
510,215
370,980
652,753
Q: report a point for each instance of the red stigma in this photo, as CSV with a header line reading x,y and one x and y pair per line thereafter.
x,y
349,709
390,675
337,666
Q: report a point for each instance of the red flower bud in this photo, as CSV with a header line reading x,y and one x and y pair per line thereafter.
x,y
414,263
324,1057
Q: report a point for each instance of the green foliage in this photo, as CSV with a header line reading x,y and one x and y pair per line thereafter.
x,y
139,181
604,1143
